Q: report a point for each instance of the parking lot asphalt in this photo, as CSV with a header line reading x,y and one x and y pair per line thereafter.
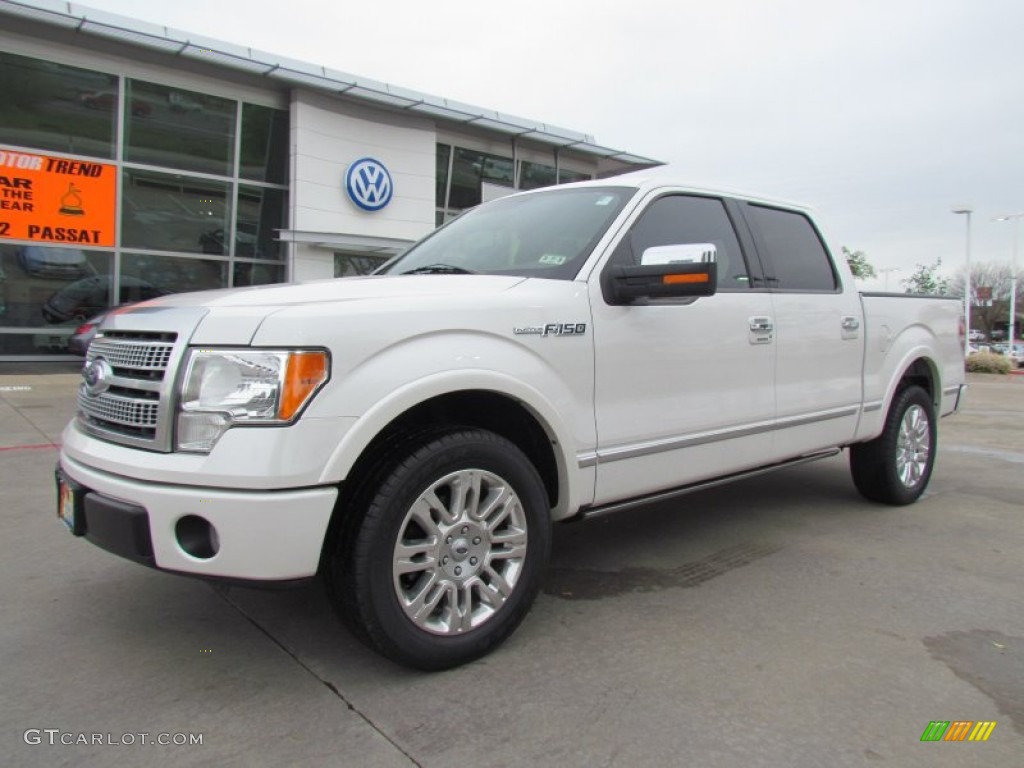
x,y
780,621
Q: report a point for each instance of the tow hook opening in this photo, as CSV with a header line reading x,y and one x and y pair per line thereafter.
x,y
197,536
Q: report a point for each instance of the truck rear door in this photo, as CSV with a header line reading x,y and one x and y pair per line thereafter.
x,y
819,329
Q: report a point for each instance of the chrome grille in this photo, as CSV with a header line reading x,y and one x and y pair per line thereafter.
x,y
116,409
137,355
128,400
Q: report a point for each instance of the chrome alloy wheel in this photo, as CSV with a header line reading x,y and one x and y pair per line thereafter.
x,y
460,551
913,446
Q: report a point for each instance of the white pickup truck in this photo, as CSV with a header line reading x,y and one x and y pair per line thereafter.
x,y
562,353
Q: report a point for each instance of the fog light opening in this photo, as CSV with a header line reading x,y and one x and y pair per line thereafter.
x,y
197,537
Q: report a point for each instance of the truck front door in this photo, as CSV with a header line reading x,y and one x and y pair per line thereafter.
x,y
685,388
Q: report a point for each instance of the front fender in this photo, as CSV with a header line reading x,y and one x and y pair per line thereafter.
x,y
560,398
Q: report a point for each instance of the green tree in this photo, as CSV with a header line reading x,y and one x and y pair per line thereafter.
x,y
859,264
926,279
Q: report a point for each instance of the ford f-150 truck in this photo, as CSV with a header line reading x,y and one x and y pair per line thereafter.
x,y
411,436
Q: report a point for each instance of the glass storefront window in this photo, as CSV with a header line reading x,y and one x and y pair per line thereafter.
x,y
248,273
50,106
164,212
175,128
444,153
50,285
534,175
181,213
469,168
566,177
261,213
144,276
356,264
264,144
29,344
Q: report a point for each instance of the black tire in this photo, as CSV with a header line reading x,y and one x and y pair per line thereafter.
x,y
413,502
895,467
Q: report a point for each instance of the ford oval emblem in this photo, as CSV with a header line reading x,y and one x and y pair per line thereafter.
x,y
97,376
368,184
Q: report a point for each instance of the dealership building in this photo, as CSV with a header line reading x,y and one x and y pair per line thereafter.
x,y
137,161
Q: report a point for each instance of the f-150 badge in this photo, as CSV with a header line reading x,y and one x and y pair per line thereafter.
x,y
551,329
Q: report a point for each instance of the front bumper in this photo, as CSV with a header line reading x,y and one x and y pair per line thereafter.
x,y
262,536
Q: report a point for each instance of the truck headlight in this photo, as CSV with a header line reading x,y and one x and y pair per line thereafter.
x,y
230,387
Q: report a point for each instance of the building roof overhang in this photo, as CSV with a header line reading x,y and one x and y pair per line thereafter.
x,y
294,73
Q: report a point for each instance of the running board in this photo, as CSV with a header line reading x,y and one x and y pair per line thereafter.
x,y
590,512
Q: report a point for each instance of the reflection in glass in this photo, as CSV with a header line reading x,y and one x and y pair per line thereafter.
x,y
356,264
174,213
181,129
23,344
264,144
261,213
160,275
253,273
534,175
469,169
54,107
45,285
566,177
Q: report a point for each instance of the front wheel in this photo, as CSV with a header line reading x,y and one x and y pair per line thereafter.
x,y
448,550
895,467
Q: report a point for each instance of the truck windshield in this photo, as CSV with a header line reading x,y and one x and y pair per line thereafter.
x,y
543,234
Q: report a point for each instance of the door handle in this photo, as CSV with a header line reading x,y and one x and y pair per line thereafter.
x,y
850,323
762,330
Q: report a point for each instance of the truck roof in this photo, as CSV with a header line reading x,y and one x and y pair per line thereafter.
x,y
658,178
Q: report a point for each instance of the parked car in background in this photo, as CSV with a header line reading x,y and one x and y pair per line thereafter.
x,y
86,298
78,342
976,335
60,263
1016,354
106,101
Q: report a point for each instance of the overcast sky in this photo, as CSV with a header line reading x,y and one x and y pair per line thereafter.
x,y
882,116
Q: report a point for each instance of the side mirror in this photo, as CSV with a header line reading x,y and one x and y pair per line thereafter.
x,y
681,253
627,284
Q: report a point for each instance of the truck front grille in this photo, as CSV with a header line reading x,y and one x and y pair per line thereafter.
x,y
126,390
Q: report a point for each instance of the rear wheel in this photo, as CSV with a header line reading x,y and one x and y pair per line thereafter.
x,y
448,550
895,467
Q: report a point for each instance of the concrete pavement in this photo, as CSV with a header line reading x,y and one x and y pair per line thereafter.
x,y
777,622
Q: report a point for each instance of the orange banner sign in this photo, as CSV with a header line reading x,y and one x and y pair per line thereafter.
x,y
54,200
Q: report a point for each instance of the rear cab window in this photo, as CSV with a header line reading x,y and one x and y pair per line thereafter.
x,y
794,256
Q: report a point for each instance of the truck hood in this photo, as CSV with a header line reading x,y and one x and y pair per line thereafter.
x,y
341,289
233,316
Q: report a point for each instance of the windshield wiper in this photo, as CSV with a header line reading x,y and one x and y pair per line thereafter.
x,y
440,269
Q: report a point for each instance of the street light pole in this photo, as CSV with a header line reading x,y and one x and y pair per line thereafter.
x,y
967,281
1015,217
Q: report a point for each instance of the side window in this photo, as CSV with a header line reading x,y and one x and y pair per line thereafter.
x,y
797,260
699,224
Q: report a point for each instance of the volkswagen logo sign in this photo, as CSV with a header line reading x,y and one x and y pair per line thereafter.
x,y
368,184
97,376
